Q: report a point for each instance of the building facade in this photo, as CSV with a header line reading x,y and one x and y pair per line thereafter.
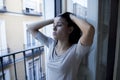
x,y
14,17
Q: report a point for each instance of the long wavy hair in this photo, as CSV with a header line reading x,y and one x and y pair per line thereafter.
x,y
76,33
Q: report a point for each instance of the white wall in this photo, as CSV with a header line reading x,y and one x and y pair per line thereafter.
x,y
92,17
3,42
48,14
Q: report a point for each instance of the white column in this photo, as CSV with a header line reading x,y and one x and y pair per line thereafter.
x,y
48,14
3,45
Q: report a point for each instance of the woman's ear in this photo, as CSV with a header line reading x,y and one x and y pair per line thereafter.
x,y
70,29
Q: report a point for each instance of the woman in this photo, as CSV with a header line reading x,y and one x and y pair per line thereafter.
x,y
72,40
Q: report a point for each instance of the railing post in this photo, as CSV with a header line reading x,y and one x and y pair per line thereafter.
x,y
15,67
14,59
33,63
1,60
25,64
40,65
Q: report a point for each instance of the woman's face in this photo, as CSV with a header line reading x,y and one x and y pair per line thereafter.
x,y
61,30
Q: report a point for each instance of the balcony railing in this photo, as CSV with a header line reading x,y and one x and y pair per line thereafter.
x,y
25,55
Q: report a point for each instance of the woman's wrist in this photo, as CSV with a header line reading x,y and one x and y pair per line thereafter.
x,y
73,17
51,20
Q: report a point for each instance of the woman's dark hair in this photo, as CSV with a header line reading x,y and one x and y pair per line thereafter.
x,y
76,33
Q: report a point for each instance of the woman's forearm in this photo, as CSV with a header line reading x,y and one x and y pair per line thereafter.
x,y
83,25
86,28
40,24
34,27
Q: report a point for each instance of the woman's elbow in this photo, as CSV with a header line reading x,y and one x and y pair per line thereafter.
x,y
91,33
31,29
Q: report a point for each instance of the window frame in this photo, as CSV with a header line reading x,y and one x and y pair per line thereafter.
x,y
80,8
58,7
6,73
29,65
31,38
27,10
3,7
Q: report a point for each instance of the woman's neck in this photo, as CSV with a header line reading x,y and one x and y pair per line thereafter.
x,y
63,45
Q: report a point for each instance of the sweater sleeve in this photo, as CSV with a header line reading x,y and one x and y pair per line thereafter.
x,y
81,50
44,39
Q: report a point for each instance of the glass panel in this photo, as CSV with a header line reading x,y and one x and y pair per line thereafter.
x,y
1,4
36,70
32,6
80,8
30,74
33,41
28,39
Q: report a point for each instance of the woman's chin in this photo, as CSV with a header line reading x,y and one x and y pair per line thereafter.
x,y
55,37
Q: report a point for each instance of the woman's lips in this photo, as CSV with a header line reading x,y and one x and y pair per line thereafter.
x,y
54,33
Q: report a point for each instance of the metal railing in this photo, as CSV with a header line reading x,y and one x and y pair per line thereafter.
x,y
12,59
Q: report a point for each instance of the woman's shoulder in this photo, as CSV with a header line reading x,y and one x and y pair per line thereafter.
x,y
44,39
81,49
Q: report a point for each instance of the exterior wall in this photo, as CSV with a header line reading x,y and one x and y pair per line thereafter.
x,y
11,6
49,14
14,25
14,19
15,29
21,70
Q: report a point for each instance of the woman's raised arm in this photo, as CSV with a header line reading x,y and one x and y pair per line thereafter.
x,y
34,27
87,30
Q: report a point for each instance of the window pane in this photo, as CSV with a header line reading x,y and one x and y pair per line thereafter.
x,y
30,74
28,39
80,8
33,41
32,6
1,4
81,2
36,70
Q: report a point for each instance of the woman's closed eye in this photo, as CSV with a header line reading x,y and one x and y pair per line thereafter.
x,y
59,25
